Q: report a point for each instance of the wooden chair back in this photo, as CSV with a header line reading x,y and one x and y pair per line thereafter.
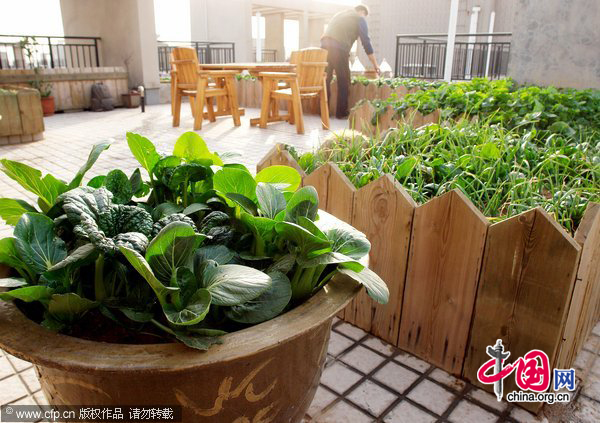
x,y
310,68
185,62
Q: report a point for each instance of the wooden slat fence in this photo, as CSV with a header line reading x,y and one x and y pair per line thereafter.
x,y
458,283
71,87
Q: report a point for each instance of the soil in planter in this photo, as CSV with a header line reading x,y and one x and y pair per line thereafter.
x,y
95,326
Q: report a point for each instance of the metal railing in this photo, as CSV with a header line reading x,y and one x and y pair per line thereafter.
x,y
42,51
268,55
208,52
475,55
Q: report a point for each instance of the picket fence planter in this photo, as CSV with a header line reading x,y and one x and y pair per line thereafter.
x,y
457,282
268,372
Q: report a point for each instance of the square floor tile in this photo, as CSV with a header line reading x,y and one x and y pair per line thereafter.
x,y
584,361
31,380
447,379
379,345
523,416
371,397
40,398
488,399
592,343
591,388
362,358
406,412
467,412
351,331
396,377
323,398
412,361
12,390
338,343
339,377
431,396
5,368
343,412
18,363
587,410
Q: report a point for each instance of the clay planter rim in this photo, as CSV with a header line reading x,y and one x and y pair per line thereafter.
x,y
30,341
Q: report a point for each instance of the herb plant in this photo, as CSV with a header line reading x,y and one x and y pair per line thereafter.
x,y
503,171
189,248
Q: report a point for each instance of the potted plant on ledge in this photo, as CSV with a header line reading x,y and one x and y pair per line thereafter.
x,y
200,285
29,46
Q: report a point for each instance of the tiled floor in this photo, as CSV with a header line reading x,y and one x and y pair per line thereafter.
x,y
365,380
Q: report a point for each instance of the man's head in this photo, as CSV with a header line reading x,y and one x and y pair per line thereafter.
x,y
362,9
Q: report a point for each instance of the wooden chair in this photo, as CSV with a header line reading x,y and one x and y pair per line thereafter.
x,y
188,80
307,82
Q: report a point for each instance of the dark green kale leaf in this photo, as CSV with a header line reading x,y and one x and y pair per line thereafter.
x,y
175,217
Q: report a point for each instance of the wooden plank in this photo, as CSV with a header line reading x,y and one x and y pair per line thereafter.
x,y
340,194
333,99
525,287
586,293
10,124
30,108
320,180
278,155
383,211
336,196
447,241
385,92
371,92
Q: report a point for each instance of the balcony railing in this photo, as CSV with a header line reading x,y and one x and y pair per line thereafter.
x,y
268,55
28,52
208,52
475,55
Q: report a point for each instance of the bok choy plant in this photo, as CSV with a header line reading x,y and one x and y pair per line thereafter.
x,y
188,247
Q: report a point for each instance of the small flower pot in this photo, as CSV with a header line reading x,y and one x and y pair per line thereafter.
x,y
48,105
131,100
268,372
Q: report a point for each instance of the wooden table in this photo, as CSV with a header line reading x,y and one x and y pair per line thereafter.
x,y
254,69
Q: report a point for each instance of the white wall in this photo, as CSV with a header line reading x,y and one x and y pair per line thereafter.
x,y
127,31
211,21
557,44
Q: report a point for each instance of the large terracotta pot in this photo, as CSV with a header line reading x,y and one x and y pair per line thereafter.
x,y
48,105
266,373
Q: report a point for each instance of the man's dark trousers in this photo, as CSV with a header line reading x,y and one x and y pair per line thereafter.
x,y
337,60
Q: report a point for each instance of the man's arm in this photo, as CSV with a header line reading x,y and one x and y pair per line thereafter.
x,y
363,33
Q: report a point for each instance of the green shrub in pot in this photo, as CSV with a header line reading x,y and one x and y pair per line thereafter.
x,y
189,248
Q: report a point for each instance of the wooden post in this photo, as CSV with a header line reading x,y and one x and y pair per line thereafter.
x,y
586,293
446,249
383,211
524,291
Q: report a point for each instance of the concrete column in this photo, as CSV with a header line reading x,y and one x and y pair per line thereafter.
x,y
128,35
315,31
274,35
304,30
225,21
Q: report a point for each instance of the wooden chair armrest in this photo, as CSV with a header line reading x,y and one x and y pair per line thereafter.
x,y
320,64
283,76
217,72
174,62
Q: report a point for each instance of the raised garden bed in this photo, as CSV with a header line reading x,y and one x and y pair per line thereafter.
x,y
458,280
21,114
